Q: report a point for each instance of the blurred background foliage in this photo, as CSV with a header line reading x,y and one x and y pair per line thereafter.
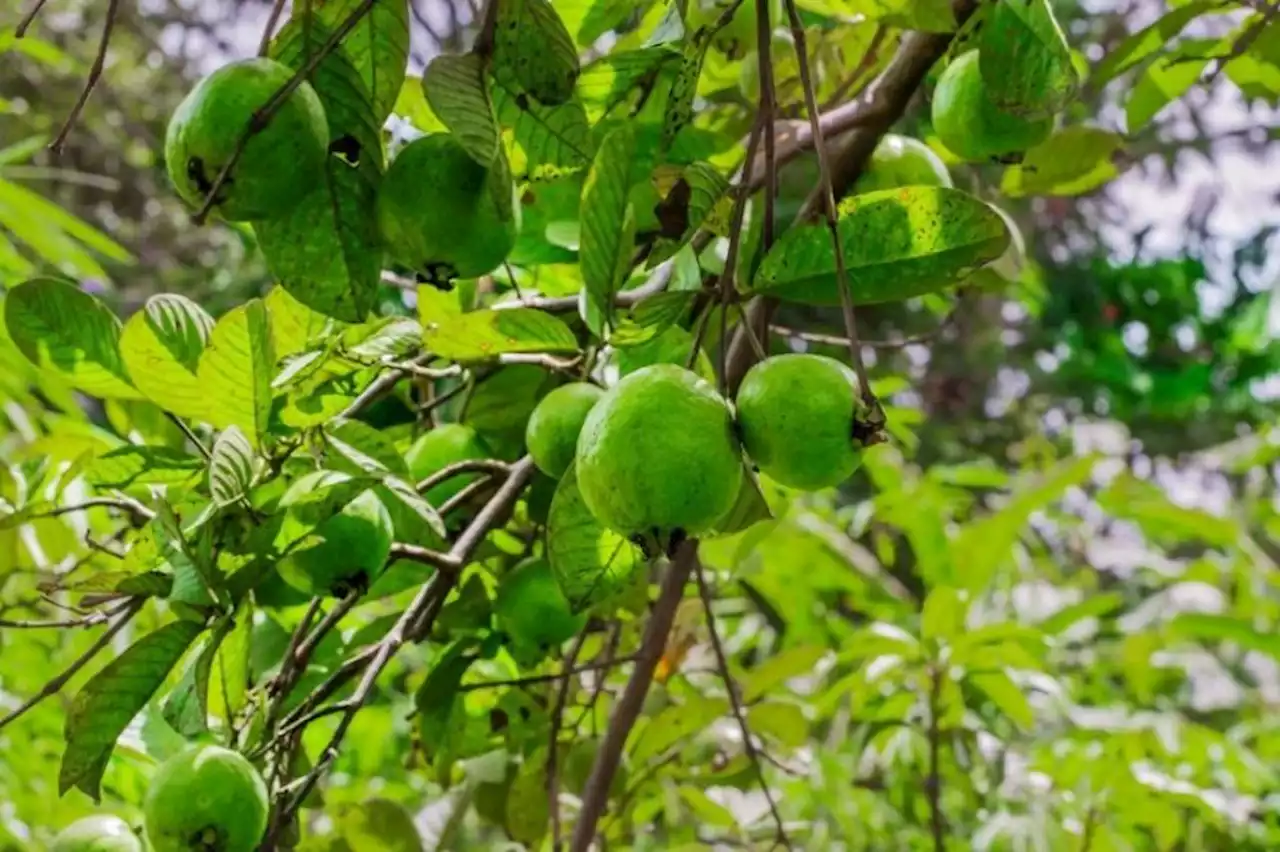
x,y
1049,610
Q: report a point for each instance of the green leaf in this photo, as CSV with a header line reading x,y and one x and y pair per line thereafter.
x,y
705,810
229,674
943,614
1074,161
898,244
545,140
231,467
437,698
186,708
59,327
196,581
104,706
1162,520
1205,627
691,203
487,333
528,811
327,252
934,16
1095,606
591,563
651,317
161,346
533,47
359,448
236,370
458,92
608,222
771,674
378,46
125,467
380,824
678,113
294,326
1138,46
609,80
1007,696
1164,81
675,723
1025,61
782,721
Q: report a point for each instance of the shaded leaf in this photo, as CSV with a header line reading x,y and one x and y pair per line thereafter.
x,y
186,708
546,140
697,199
161,346
458,92
437,698
377,48
533,47
608,223
592,564
236,369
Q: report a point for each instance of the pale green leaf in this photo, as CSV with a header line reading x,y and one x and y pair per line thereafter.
x,y
704,809
1162,520
1007,696
781,721
1094,606
458,92
231,467
1073,161
673,725
1141,44
294,326
161,345
1241,632
236,369
1163,82
774,672
487,333
229,673
943,615
125,467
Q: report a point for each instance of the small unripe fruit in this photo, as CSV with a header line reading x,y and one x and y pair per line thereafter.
x,y
97,834
902,161
553,428
206,799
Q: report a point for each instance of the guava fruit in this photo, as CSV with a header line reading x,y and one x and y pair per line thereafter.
x,y
279,165
444,215
552,432
444,445
345,548
658,454
532,609
796,415
970,125
97,834
206,799
902,161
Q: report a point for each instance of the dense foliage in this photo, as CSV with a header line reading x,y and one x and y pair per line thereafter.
x,y
295,512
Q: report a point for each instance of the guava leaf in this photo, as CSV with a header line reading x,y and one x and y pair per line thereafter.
x,y
186,708
326,252
196,580
528,811
413,107
60,327
379,824
395,337
235,371
694,200
437,698
545,140
1138,46
608,222
294,326
749,508
378,46
679,109
125,467
161,346
231,467
229,674
591,563
650,317
1025,61
488,333
607,82
898,244
1074,161
104,706
458,92
1165,80
359,448
532,45
587,20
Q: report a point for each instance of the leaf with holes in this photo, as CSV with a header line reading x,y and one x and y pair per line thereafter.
x,y
898,244
161,345
235,371
377,47
1074,161
231,467
125,467
1025,61
608,222
326,252
592,564
458,92
545,140
104,706
698,197
532,45
59,327
484,334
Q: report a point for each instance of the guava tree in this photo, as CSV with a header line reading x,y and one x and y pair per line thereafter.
x,y
450,508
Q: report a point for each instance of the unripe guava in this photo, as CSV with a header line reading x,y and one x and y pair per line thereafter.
x,y
444,445
206,799
532,609
444,215
97,834
902,161
796,415
554,426
658,454
349,547
970,125
279,165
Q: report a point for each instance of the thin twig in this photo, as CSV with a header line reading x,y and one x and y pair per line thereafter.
x,y
277,9
933,784
735,702
534,680
53,686
767,110
381,386
29,18
490,466
191,435
124,504
95,73
553,739
595,796
835,340
91,619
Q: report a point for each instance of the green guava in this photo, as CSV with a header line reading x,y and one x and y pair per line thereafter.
x,y
902,161
273,591
444,445
278,166
658,454
97,834
970,125
552,432
348,547
796,415
444,215
532,609
206,799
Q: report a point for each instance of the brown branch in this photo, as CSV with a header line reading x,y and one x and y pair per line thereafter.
x,y
53,686
124,504
933,784
553,739
735,702
277,9
28,19
596,795
534,680
381,386
91,619
95,74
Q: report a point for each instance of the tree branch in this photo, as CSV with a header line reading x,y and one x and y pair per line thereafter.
x,y
553,739
933,784
596,795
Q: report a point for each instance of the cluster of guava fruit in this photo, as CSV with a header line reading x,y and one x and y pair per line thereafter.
x,y
440,212
662,453
205,799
